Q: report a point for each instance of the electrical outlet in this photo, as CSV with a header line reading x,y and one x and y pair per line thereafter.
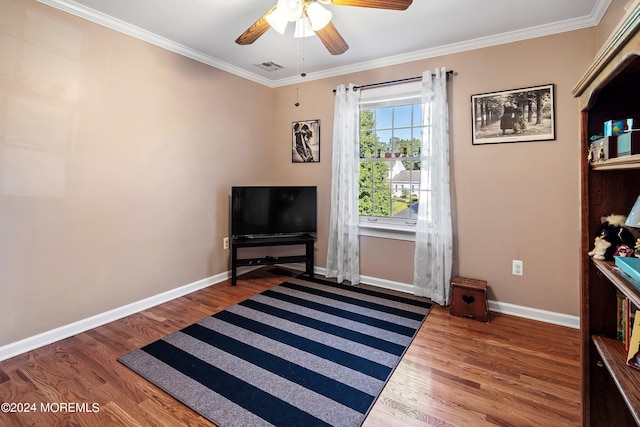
x,y
516,267
225,243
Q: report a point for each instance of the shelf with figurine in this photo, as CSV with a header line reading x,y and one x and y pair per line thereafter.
x,y
616,163
618,239
617,148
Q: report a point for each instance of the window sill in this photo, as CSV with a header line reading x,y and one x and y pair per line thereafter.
x,y
388,231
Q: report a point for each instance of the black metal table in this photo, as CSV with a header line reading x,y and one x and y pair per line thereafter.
x,y
237,243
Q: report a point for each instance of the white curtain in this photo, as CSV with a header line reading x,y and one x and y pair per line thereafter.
x,y
434,236
343,253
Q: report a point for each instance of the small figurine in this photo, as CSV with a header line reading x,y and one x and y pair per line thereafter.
x,y
623,250
600,246
601,151
590,154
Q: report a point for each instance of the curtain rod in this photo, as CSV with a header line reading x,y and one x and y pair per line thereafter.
x,y
395,82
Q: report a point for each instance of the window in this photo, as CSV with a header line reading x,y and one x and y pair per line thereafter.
x,y
390,140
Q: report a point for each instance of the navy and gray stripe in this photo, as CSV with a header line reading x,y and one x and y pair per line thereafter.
x,y
302,353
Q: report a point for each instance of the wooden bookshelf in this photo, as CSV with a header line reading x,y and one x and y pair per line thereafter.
x,y
609,90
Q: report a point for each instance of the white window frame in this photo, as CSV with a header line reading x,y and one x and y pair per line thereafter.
x,y
395,95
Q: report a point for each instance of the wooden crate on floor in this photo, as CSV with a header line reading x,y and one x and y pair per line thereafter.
x,y
469,298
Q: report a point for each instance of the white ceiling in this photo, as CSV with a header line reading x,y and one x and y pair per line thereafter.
x,y
205,30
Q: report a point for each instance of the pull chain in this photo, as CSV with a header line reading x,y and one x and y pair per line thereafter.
x,y
300,47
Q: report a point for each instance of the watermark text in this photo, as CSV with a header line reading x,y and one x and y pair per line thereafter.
x,y
49,407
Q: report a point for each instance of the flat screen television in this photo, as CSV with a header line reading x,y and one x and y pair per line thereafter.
x,y
273,211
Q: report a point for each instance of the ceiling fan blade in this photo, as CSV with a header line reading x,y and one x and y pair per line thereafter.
x,y
332,40
376,4
257,29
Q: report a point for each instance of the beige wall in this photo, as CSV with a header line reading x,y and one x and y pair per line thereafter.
x,y
513,201
615,12
116,159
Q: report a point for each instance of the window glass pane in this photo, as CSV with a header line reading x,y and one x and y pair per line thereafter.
x,y
402,116
403,209
365,203
366,178
405,183
367,144
384,140
366,119
367,136
401,140
380,175
415,176
382,203
384,118
416,137
417,114
413,207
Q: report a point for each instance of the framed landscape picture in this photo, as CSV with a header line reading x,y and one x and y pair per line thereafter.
x,y
515,115
305,140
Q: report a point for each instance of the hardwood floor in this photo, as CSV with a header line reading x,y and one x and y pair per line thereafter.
x,y
509,372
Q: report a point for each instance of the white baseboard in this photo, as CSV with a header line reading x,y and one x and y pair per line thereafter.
x,y
48,337
495,306
66,331
535,314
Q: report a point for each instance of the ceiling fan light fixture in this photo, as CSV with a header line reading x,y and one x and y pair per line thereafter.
x,y
277,20
290,9
312,19
303,28
318,15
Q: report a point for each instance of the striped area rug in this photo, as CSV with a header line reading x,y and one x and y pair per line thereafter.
x,y
304,353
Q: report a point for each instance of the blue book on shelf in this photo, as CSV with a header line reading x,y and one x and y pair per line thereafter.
x,y
629,265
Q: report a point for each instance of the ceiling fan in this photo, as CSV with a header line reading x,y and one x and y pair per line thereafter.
x,y
312,18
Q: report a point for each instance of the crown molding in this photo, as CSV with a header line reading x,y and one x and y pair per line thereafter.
x,y
540,31
92,15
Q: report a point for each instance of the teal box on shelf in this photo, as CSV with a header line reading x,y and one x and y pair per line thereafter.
x,y
629,265
628,143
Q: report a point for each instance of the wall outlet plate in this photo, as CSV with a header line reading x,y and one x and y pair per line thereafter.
x,y
516,267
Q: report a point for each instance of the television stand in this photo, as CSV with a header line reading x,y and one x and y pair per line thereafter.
x,y
307,258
